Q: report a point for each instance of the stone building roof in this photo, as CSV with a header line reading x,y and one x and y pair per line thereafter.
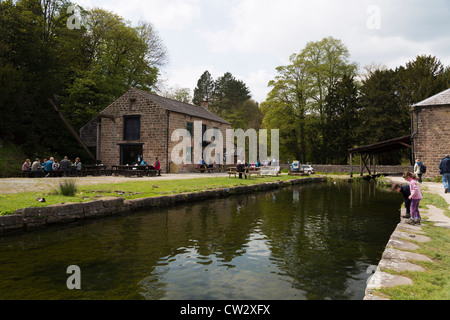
x,y
88,133
439,99
181,107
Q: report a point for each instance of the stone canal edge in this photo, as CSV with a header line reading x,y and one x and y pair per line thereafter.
x,y
32,218
399,254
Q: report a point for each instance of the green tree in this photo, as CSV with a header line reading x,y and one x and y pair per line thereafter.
x,y
228,94
119,56
82,70
382,115
341,105
421,78
204,92
299,97
286,107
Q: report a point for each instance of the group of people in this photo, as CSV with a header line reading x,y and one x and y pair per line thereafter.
x,y
155,166
412,193
411,196
50,166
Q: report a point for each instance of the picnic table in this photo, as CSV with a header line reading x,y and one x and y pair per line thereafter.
x,y
204,168
248,172
270,171
95,170
139,171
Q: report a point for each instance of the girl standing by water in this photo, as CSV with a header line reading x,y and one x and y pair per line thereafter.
x,y
416,196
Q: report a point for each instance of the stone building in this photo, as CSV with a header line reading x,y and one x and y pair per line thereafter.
x,y
139,125
431,131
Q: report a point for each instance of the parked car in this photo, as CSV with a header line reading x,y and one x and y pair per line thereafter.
x,y
308,169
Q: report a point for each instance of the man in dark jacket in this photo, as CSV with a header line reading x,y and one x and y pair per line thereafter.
x,y
240,169
64,166
444,166
406,192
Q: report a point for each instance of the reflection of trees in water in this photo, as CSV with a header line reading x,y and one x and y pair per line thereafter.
x,y
321,242
320,238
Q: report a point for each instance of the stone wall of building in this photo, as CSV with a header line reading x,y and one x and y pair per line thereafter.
x,y
153,125
154,136
180,121
432,140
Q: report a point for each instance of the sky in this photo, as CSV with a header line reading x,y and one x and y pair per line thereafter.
x,y
251,38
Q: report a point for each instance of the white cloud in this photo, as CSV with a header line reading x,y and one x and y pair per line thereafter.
x,y
250,38
167,15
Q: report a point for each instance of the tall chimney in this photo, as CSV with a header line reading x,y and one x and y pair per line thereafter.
x,y
204,105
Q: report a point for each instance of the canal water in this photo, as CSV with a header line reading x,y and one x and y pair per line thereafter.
x,y
316,241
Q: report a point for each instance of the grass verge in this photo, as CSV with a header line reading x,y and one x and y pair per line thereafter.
x,y
434,283
9,202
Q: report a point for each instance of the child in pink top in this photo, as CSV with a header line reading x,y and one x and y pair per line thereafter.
x,y
416,196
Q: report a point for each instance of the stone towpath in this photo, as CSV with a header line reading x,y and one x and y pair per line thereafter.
x,y
399,254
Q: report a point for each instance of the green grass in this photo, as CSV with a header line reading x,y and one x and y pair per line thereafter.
x,y
434,283
9,202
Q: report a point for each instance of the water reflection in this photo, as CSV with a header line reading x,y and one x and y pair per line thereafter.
x,y
307,242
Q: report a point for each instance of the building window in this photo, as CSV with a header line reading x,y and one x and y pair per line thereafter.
x,y
189,155
190,128
131,128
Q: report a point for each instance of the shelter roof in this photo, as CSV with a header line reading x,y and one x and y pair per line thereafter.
x,y
384,146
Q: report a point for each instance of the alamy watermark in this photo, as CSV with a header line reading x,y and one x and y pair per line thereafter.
x,y
74,20
74,281
223,150
374,20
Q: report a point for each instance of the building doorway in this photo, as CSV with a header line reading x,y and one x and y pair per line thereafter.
x,y
130,154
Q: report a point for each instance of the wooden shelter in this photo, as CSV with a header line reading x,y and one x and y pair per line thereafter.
x,y
367,153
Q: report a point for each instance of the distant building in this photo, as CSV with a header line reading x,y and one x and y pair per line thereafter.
x,y
431,131
139,125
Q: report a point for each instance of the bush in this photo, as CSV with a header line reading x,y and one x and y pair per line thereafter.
x,y
68,188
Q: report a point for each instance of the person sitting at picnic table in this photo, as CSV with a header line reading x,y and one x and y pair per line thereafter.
x,y
240,169
48,166
78,166
36,167
64,166
26,167
202,165
157,164
55,165
75,168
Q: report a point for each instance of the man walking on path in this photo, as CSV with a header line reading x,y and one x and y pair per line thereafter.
x,y
444,166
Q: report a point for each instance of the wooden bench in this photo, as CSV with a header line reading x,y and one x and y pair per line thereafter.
x,y
153,173
205,169
248,173
32,174
232,171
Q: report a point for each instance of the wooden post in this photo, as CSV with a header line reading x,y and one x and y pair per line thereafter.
x,y
361,164
71,129
351,165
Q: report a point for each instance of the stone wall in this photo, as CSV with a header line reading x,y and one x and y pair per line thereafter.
x,y
32,218
346,168
179,121
432,140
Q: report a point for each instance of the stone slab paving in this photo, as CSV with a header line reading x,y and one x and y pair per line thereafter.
x,y
399,254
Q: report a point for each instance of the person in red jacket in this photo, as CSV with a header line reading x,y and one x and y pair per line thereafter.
x,y
157,164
